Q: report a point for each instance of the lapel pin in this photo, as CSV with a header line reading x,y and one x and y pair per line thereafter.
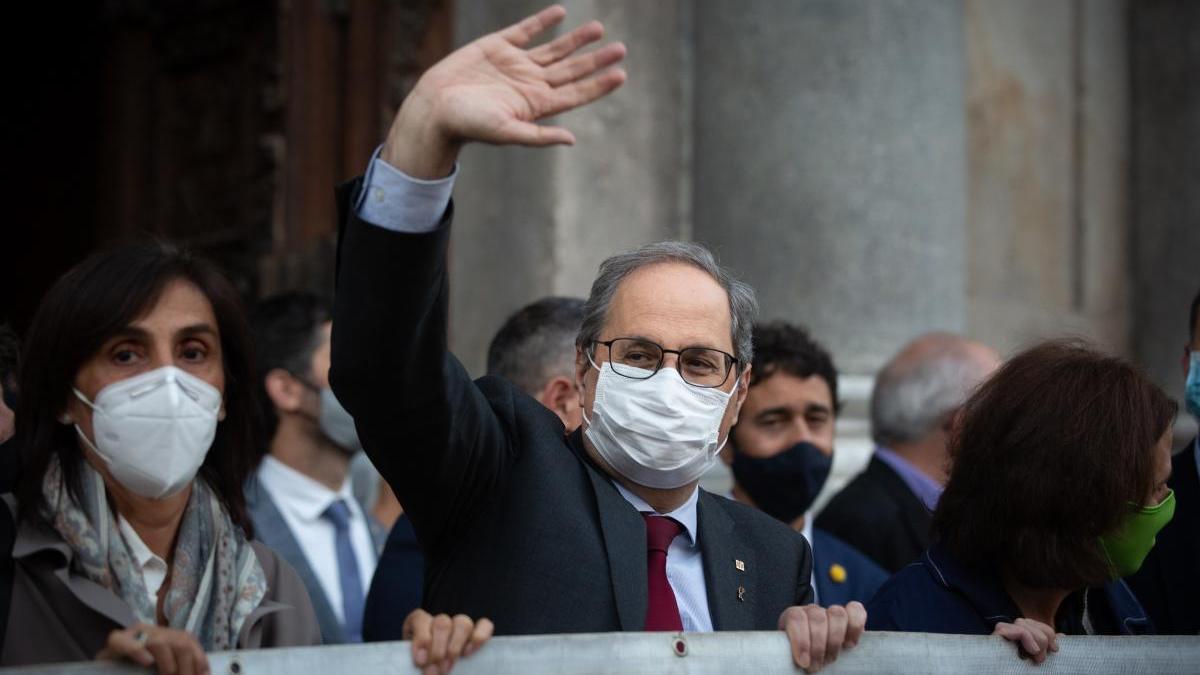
x,y
741,593
741,566
837,573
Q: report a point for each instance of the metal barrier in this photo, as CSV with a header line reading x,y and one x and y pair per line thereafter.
x,y
753,653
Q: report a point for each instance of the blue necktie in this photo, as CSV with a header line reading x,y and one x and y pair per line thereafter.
x,y
352,594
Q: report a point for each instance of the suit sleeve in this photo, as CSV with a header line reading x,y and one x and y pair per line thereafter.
x,y
426,427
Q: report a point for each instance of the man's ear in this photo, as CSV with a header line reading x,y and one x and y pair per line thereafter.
x,y
285,392
558,394
581,368
740,391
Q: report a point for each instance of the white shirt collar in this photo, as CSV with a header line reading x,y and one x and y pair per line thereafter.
x,y
685,514
807,531
302,496
142,555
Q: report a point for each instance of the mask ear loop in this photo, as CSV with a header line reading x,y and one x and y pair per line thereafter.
x,y
583,409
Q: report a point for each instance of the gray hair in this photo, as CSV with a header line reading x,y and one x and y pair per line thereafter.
x,y
911,399
537,343
743,307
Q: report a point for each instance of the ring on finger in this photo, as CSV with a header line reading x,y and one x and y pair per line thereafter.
x,y
140,637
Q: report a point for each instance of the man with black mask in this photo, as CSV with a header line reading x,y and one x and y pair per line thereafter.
x,y
781,452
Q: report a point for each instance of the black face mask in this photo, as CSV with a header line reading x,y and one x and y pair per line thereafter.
x,y
783,486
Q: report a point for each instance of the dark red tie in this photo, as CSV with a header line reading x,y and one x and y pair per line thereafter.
x,y
662,612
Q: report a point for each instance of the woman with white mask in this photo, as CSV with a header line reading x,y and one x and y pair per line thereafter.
x,y
137,426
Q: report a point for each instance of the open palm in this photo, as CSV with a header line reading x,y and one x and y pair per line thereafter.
x,y
494,89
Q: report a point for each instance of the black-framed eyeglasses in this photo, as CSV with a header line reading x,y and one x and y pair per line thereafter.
x,y
640,359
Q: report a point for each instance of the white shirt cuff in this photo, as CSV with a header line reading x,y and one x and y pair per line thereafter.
x,y
395,201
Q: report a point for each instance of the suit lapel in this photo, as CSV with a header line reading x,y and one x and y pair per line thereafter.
x,y
272,530
731,601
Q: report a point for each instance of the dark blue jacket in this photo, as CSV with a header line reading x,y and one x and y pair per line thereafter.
x,y
938,594
396,588
841,572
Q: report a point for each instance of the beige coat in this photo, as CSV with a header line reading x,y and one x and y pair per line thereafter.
x,y
57,616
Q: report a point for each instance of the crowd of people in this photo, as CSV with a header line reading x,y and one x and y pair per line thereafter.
x,y
182,476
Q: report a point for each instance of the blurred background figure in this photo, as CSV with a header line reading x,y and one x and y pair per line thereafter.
x,y
535,350
885,511
1058,488
1169,582
781,452
301,498
138,428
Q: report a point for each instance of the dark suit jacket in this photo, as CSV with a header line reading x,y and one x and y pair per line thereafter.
x,y
842,573
515,522
396,587
271,529
879,515
939,594
1169,582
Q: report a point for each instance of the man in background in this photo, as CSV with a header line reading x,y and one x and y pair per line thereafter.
x,y
301,499
781,452
535,350
885,512
1168,584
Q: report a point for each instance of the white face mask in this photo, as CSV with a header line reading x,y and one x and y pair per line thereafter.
x,y
660,432
153,430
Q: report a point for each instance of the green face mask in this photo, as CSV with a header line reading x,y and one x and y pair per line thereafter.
x,y
1130,544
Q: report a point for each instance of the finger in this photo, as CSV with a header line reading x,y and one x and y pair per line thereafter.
x,y
838,620
856,623
1030,644
1041,633
122,645
522,32
582,65
582,92
482,633
796,626
528,133
818,630
164,657
417,628
567,44
185,658
442,625
459,635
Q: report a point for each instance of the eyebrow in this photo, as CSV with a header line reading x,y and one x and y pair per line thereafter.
x,y
139,333
642,338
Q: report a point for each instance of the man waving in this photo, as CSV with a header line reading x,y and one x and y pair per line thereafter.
x,y
604,529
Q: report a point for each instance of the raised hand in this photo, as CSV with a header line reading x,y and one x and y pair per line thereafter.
x,y
494,90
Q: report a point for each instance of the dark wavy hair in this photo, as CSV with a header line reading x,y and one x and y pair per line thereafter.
x,y
96,300
1049,455
782,347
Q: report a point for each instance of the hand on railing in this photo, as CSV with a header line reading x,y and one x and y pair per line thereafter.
x,y
439,641
1035,640
166,650
819,634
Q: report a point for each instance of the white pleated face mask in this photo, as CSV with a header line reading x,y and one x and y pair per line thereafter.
x,y
660,432
153,430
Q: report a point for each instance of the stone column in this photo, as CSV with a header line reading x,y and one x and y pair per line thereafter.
x,y
1165,46
830,164
530,223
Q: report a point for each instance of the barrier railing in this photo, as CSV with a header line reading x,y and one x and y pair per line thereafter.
x,y
757,653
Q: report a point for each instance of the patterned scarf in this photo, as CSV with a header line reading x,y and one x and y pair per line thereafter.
x,y
215,580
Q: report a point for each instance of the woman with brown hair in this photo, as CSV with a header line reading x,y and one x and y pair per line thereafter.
x,y
1057,490
137,428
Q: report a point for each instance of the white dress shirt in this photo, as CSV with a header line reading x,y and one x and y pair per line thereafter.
x,y
301,500
152,567
685,565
